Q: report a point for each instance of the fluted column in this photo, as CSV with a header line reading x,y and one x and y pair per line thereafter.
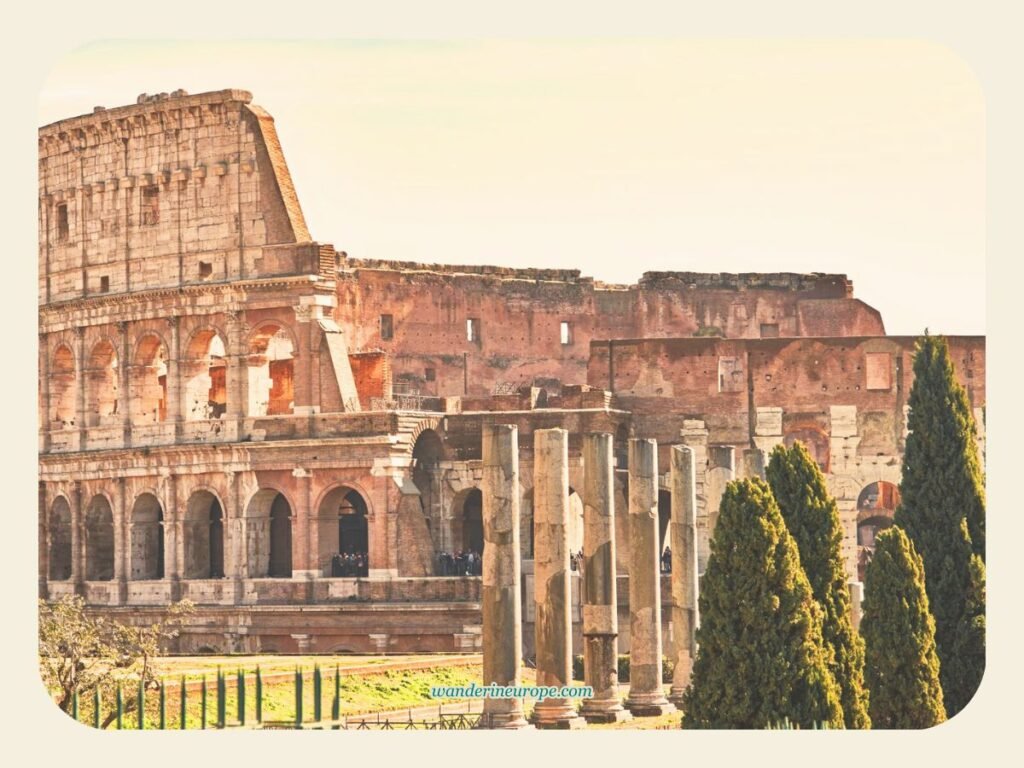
x,y
552,591
646,696
683,537
600,602
502,607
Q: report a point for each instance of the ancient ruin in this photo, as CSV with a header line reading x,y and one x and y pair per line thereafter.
x,y
329,454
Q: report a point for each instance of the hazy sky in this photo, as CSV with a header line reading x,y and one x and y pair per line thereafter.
x,y
615,156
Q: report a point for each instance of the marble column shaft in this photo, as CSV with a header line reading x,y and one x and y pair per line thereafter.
x,y
552,590
600,603
683,538
502,607
646,696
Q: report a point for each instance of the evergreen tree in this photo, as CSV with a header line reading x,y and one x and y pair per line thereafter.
x,y
899,635
761,657
942,510
812,518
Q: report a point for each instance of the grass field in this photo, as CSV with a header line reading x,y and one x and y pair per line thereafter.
x,y
362,689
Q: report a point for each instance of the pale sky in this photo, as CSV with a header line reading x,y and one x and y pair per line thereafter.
x,y
615,156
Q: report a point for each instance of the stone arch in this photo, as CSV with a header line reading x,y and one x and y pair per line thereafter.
x,y
147,380
59,534
467,521
268,525
63,389
99,539
203,373
343,528
876,505
147,525
815,439
427,454
203,532
101,378
271,367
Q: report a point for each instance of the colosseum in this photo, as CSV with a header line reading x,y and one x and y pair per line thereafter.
x,y
234,413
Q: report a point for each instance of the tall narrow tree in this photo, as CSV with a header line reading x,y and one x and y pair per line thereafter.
x,y
761,658
812,518
899,636
943,512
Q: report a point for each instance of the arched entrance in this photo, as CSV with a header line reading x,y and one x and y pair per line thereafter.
x,y
60,540
203,374
101,385
271,372
268,522
470,537
147,560
63,389
148,381
344,533
99,540
204,537
876,506
426,456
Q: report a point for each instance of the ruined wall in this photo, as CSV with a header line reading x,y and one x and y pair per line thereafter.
x,y
169,191
535,325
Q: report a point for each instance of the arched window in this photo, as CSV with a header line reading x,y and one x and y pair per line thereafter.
x,y
147,538
271,372
148,381
876,506
63,389
99,540
344,533
204,537
268,549
60,540
204,377
101,376
472,539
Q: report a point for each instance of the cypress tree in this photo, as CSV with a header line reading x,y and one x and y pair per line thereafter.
x,y
942,510
812,518
761,658
899,635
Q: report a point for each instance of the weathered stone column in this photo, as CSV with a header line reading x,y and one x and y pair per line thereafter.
x,y
600,602
856,599
683,535
502,607
553,623
646,696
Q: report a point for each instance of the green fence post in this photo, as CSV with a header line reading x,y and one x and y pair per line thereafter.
x,y
298,698
120,708
222,702
96,707
317,694
240,689
74,705
163,706
202,707
336,706
184,697
259,696
141,703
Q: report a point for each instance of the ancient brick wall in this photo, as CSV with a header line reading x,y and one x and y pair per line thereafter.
x,y
169,191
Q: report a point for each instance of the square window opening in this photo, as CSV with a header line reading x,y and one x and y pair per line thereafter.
x,y
565,332
62,222
473,330
387,327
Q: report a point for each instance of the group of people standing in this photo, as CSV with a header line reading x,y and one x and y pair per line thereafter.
x,y
350,564
469,563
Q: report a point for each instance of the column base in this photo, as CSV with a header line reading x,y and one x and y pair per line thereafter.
x,y
651,705
565,724
502,722
675,695
605,712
